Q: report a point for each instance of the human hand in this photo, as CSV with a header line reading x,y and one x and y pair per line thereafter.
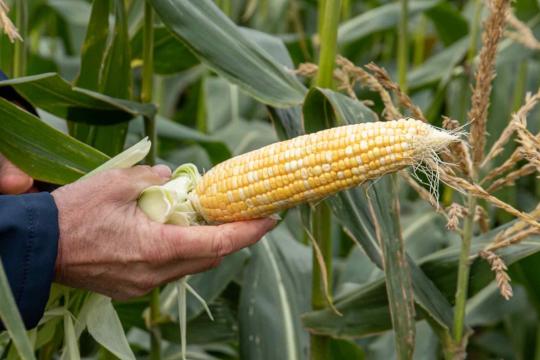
x,y
108,245
12,179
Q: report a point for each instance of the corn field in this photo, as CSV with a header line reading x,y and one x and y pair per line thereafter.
x,y
396,142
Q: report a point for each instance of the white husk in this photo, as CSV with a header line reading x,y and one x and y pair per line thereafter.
x,y
125,159
157,203
171,203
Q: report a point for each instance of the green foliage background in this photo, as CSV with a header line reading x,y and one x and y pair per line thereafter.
x,y
223,85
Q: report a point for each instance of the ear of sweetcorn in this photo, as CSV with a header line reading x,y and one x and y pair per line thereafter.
x,y
284,174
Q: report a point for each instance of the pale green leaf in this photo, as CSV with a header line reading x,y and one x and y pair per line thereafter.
x,y
105,327
71,346
11,319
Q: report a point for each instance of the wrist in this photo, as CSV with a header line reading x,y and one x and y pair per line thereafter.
x,y
57,266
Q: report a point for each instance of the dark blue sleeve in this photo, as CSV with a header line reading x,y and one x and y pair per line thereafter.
x,y
28,248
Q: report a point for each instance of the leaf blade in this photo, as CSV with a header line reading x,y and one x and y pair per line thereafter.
x,y
11,319
41,151
257,74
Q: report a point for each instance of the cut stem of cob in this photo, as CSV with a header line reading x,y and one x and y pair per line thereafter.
x,y
285,174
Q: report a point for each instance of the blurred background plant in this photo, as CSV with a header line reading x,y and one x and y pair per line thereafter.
x,y
383,271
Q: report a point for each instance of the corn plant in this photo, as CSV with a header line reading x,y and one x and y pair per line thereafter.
x,y
396,141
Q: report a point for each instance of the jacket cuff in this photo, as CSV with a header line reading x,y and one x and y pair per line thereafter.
x,y
28,246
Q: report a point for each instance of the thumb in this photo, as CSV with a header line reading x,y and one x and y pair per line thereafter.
x,y
162,170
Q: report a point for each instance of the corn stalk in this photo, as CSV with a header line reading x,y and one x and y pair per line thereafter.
x,y
403,45
20,47
493,31
150,131
329,14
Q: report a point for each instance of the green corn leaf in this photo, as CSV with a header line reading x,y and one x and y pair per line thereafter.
x,y
57,96
92,57
440,66
105,327
194,22
41,151
106,67
450,24
92,53
9,314
276,291
381,18
166,47
323,107
71,346
365,307
202,330
385,213
217,151
209,285
115,80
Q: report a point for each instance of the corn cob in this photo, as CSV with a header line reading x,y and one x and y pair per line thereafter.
x,y
307,169
311,167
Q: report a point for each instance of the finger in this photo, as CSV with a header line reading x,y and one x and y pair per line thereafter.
x,y
12,179
211,241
